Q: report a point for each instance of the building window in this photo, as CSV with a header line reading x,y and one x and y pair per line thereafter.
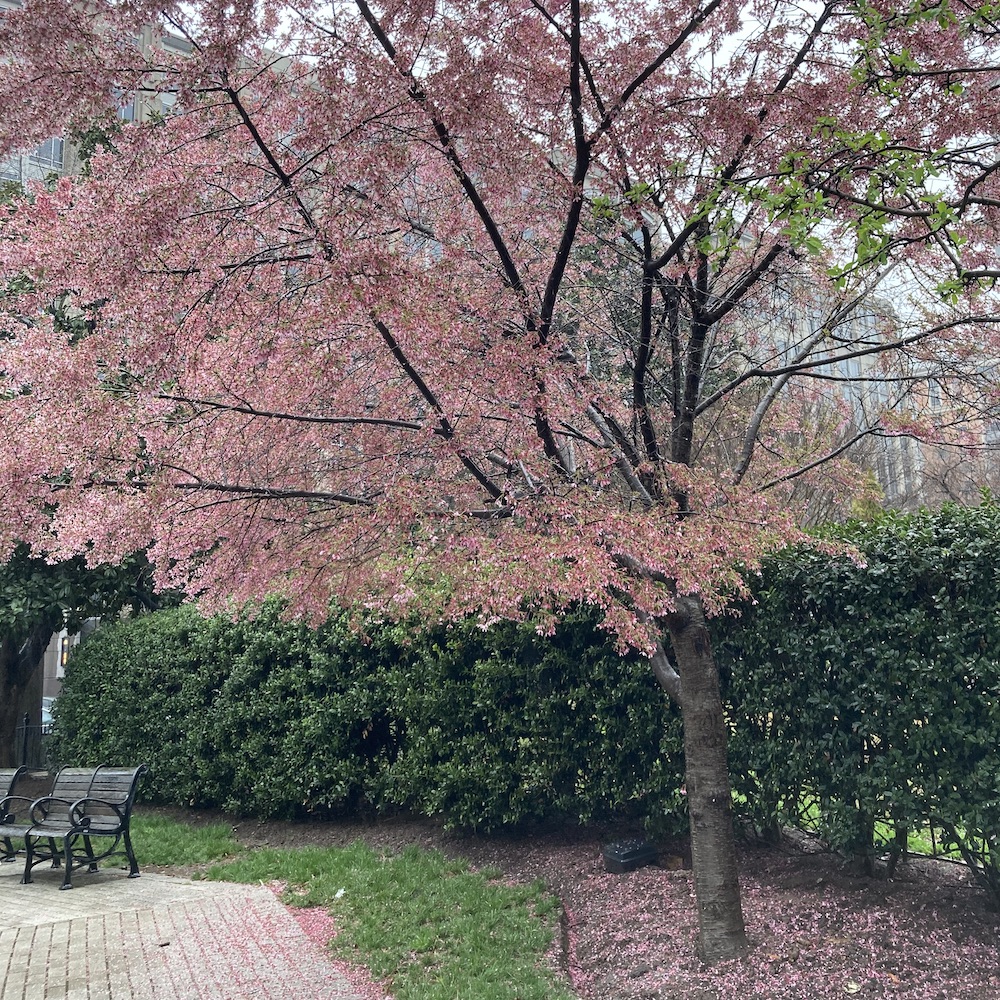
x,y
10,169
168,102
934,395
49,155
174,43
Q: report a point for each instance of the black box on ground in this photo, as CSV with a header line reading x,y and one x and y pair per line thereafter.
x,y
627,855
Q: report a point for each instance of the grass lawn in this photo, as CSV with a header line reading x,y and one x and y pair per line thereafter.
x,y
430,926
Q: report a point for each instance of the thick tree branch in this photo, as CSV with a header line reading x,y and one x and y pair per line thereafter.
x,y
682,432
419,96
268,154
643,356
762,408
237,490
735,293
582,150
447,430
298,418
665,673
621,462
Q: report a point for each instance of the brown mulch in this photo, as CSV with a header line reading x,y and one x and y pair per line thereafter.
x,y
817,929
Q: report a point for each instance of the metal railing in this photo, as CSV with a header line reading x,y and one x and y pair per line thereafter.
x,y
29,743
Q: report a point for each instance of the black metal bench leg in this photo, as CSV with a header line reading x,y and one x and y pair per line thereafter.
x,y
9,854
54,852
67,845
130,854
89,848
26,877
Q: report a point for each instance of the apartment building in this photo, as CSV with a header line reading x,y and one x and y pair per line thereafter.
x,y
46,159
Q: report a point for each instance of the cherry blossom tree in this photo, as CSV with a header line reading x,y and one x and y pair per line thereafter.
x,y
491,308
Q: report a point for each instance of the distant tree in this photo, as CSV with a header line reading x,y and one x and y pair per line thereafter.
x,y
38,599
493,307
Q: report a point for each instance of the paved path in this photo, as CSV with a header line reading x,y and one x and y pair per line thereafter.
x,y
154,938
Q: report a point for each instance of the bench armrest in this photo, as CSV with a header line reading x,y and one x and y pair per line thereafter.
x,y
10,805
78,811
41,808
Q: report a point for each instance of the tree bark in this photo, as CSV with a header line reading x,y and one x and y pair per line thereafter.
x,y
20,661
722,934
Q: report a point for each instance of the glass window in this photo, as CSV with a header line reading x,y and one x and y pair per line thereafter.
x,y
49,155
126,108
934,396
176,44
10,169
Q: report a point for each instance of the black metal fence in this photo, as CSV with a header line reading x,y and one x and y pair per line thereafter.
x,y
29,743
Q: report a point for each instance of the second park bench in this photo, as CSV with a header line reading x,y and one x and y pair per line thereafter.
x,y
83,820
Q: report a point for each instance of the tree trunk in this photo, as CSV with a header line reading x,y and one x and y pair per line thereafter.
x,y
713,845
12,695
20,662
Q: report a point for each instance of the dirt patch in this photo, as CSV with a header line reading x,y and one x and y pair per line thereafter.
x,y
817,929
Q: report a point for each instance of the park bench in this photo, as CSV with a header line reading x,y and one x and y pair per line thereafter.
x,y
8,780
84,803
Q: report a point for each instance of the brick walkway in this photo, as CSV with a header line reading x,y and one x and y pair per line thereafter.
x,y
154,938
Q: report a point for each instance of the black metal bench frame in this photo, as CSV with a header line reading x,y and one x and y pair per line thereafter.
x,y
9,777
84,804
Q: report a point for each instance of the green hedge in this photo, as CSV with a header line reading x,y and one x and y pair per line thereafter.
x,y
867,697
511,726
262,716
270,718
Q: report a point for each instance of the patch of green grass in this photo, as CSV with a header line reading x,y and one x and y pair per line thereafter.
x,y
159,840
430,926
919,840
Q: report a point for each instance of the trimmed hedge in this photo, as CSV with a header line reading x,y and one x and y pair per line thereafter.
x,y
270,718
867,698
510,726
